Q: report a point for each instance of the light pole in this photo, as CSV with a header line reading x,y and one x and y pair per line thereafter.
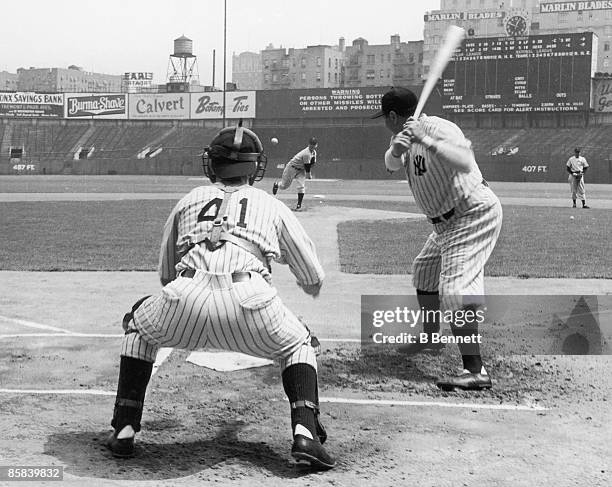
x,y
224,54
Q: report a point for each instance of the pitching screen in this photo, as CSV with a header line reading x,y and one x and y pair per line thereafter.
x,y
540,73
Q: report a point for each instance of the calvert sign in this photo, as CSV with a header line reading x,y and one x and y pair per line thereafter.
x,y
95,106
158,106
239,104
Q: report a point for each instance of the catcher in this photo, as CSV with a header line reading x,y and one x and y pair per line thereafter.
x,y
214,265
576,166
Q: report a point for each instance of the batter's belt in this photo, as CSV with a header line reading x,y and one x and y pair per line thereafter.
x,y
449,214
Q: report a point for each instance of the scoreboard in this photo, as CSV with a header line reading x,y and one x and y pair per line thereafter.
x,y
539,73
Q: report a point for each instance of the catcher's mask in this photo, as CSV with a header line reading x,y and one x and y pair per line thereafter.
x,y
233,153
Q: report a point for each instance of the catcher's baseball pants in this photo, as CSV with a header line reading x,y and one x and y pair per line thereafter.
x,y
291,173
577,187
209,310
453,258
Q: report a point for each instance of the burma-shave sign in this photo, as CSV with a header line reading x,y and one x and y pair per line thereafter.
x,y
96,106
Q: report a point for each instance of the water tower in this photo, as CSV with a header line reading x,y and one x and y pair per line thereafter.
x,y
182,66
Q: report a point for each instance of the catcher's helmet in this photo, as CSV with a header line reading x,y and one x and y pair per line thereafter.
x,y
235,152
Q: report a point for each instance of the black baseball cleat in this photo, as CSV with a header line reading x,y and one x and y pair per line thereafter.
x,y
419,347
120,448
275,188
467,381
586,206
312,452
298,208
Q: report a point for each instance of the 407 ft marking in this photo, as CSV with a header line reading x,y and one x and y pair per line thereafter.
x,y
535,169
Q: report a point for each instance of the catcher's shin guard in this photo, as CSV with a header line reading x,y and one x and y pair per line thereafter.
x,y
130,316
300,384
134,375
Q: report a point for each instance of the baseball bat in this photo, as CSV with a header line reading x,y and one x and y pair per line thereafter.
x,y
454,36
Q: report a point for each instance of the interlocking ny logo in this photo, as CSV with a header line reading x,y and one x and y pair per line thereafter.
x,y
419,165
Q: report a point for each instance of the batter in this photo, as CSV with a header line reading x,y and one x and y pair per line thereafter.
x,y
465,214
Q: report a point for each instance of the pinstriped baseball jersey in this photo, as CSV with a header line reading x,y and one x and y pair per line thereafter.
x,y
436,186
211,309
253,215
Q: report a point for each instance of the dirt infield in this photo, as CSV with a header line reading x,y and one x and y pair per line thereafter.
x,y
547,421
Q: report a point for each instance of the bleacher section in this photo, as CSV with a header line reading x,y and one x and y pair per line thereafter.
x,y
346,151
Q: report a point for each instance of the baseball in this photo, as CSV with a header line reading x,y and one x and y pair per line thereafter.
x,y
571,217
274,140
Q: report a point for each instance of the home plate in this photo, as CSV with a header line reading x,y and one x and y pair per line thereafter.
x,y
226,361
319,196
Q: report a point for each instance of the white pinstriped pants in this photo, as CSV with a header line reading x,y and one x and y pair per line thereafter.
x,y
291,173
453,258
210,311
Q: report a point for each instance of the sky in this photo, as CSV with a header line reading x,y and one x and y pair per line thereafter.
x,y
116,36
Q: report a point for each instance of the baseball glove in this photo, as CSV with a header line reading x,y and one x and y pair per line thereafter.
x,y
578,176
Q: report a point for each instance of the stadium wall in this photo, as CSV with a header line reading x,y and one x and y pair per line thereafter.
x,y
508,146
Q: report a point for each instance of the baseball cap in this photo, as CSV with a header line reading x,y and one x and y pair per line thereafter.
x,y
313,141
577,149
401,100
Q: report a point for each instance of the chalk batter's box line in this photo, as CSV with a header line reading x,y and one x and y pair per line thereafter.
x,y
334,400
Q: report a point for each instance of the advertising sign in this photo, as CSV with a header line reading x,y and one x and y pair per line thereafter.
x,y
158,106
137,79
95,105
30,105
240,104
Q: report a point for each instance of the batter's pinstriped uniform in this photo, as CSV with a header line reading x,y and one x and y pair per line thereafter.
x,y
295,169
453,258
209,309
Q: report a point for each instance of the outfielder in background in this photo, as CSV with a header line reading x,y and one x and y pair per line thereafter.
x,y
214,267
576,166
298,169
466,219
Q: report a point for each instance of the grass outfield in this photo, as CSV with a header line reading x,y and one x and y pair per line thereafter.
x,y
84,235
534,242
125,235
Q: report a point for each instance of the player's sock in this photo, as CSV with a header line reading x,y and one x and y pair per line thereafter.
x,y
574,203
472,363
470,352
300,197
584,203
134,375
300,384
126,432
429,301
